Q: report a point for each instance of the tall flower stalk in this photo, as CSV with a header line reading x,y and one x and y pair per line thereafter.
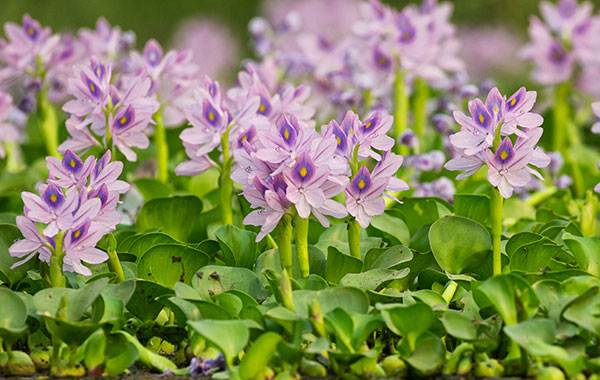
x,y
485,140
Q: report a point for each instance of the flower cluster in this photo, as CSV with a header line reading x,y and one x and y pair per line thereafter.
x,y
508,162
8,132
75,208
361,55
289,164
564,40
100,109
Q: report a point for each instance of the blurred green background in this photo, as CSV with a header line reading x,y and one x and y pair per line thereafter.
x,y
160,18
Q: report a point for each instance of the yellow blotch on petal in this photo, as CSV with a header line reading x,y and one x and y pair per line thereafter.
x,y
513,101
92,87
211,116
368,125
286,134
261,108
77,234
53,198
72,163
503,155
303,172
339,141
30,31
361,184
123,120
481,118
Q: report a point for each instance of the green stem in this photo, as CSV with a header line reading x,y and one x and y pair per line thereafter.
x,y
301,225
588,214
449,291
162,148
578,183
284,242
354,238
400,108
561,116
225,182
455,357
368,100
14,158
57,277
540,196
48,123
420,106
114,265
496,216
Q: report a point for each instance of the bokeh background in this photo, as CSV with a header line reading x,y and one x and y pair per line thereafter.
x,y
492,30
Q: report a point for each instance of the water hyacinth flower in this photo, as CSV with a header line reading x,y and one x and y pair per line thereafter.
x,y
8,132
77,207
508,164
120,116
107,42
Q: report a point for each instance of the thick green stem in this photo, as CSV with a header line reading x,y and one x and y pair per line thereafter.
x,y
225,182
14,158
400,108
48,123
496,216
420,106
368,99
301,225
162,148
449,291
588,214
57,277
561,115
457,354
114,265
284,242
354,238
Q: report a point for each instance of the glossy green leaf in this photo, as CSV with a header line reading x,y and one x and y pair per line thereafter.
x,y
152,188
428,355
585,312
535,256
238,246
353,300
395,257
143,243
511,296
473,206
339,264
143,302
458,243
373,279
12,317
175,216
230,337
586,252
537,336
167,264
392,226
418,212
218,279
258,355
409,321
458,325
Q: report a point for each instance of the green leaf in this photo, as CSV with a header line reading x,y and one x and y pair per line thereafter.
x,y
141,244
418,212
409,321
459,326
258,355
238,246
143,303
536,336
511,296
352,300
585,311
373,279
395,257
230,337
12,317
458,243
176,216
392,226
152,188
534,257
270,260
428,356
167,264
219,279
339,264
473,206
8,234
586,252
120,355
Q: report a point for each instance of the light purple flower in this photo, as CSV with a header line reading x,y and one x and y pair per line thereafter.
x,y
508,166
304,181
8,132
25,45
79,245
271,198
373,134
106,42
596,110
33,243
363,196
53,208
69,171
